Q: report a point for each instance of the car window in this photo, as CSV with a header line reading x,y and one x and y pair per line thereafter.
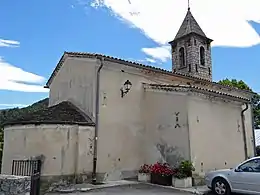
x,y
251,166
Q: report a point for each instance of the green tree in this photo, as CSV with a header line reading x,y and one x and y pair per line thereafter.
x,y
255,100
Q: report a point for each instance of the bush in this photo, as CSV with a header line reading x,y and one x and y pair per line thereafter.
x,y
184,170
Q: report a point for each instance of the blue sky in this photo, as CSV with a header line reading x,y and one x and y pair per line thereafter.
x,y
34,34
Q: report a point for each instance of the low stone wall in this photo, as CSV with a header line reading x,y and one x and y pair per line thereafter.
x,y
198,180
12,185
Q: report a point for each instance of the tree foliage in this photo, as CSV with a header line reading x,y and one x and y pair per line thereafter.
x,y
235,83
255,100
8,115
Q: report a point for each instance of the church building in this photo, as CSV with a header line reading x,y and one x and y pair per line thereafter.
x,y
108,116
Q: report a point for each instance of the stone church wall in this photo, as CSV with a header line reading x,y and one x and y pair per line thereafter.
x,y
75,82
140,126
66,149
121,124
216,136
123,130
166,137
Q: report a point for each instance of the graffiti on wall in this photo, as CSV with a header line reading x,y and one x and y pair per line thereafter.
x,y
177,125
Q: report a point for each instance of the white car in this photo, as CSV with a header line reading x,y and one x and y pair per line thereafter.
x,y
245,179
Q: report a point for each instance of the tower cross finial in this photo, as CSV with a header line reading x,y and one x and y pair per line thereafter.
x,y
188,4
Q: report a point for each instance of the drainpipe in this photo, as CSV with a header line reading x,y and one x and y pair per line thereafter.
x,y
94,171
253,126
244,130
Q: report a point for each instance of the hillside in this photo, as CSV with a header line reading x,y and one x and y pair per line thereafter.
x,y
8,115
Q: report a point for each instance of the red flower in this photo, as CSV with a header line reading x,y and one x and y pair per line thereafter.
x,y
162,168
145,169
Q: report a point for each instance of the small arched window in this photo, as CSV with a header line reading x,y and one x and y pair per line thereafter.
x,y
182,57
189,42
202,56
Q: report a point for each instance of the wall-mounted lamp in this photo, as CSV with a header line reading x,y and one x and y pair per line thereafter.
x,y
125,89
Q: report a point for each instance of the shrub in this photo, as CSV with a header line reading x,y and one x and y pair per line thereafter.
x,y
184,170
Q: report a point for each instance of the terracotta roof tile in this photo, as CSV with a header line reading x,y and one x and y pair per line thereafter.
x,y
62,113
132,64
195,88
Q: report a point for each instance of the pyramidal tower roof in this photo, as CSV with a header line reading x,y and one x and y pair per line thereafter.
x,y
188,26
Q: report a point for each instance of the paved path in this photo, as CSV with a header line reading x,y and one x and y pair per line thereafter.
x,y
138,189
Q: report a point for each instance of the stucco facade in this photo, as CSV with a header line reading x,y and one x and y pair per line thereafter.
x,y
76,85
140,127
167,133
66,149
215,134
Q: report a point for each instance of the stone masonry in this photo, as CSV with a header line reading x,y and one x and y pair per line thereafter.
x,y
14,185
191,50
193,67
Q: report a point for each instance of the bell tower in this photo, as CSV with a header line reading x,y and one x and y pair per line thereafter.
x,y
191,50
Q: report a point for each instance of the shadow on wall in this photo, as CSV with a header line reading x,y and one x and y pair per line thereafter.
x,y
169,154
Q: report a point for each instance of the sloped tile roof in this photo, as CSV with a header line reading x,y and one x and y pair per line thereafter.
x,y
132,64
117,60
189,26
62,113
196,88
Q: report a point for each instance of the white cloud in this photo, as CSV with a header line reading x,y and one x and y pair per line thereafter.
x,y
150,60
15,79
13,105
144,61
226,22
161,53
9,43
